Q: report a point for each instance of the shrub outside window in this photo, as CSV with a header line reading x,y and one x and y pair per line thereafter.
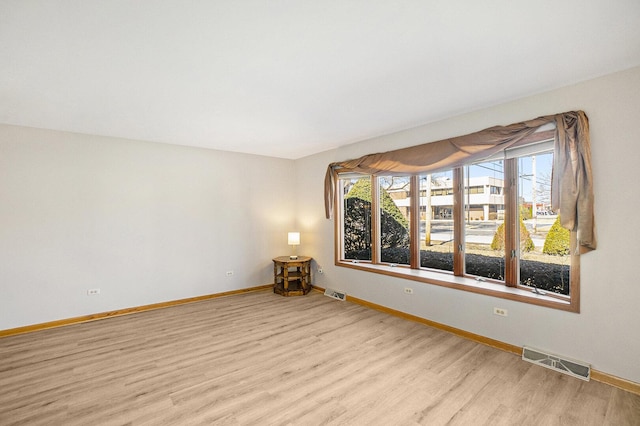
x,y
355,193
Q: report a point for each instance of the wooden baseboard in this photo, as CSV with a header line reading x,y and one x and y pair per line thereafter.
x,y
462,333
596,375
126,311
618,382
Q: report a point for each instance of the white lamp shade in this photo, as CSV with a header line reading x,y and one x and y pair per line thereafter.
x,y
294,238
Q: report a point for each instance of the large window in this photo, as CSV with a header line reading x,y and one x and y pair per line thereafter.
x,y
395,219
355,193
545,262
436,221
481,224
478,227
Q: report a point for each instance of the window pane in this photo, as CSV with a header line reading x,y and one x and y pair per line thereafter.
x,y
436,221
356,224
483,216
544,245
395,196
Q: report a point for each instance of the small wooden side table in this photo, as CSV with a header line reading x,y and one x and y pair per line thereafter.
x,y
292,277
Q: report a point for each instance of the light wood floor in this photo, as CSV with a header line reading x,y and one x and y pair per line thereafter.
x,y
264,359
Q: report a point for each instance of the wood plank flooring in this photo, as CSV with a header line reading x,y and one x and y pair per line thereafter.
x,y
263,359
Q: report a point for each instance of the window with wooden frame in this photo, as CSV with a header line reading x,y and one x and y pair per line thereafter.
x,y
485,227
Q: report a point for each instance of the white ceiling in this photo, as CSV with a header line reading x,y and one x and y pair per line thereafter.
x,y
289,78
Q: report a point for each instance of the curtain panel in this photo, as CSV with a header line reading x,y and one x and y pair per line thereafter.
x,y
571,182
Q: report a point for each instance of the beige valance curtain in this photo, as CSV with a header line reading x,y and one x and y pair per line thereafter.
x,y
571,186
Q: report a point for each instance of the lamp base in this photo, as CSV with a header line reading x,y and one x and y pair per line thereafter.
x,y
293,257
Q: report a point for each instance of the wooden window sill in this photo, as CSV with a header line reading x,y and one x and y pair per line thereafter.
x,y
445,279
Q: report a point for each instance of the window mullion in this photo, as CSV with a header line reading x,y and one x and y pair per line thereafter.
x,y
458,222
375,219
511,222
414,225
338,228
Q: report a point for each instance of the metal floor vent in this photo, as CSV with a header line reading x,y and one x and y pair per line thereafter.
x,y
571,367
336,294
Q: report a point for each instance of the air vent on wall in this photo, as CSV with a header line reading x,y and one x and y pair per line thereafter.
x,y
336,294
558,363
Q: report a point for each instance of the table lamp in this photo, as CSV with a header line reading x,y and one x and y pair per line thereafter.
x,y
294,240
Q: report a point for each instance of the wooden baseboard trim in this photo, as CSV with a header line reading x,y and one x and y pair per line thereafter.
x,y
126,311
618,382
462,333
596,375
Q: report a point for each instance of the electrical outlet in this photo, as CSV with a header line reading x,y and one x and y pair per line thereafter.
x,y
93,291
500,311
408,290
229,273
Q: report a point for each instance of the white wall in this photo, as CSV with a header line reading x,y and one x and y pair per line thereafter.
x,y
606,332
143,222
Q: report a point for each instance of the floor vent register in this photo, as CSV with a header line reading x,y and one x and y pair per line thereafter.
x,y
564,365
335,294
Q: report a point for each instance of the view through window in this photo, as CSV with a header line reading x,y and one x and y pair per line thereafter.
x,y
436,221
544,244
395,219
508,233
356,217
484,216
